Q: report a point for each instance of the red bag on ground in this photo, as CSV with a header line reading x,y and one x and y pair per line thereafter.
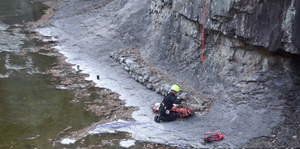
x,y
209,137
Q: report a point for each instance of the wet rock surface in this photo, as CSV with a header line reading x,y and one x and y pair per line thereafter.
x,y
250,92
153,79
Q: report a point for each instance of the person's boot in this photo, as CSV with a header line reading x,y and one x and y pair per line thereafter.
x,y
157,119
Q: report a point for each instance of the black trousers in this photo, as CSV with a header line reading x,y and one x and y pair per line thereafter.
x,y
164,116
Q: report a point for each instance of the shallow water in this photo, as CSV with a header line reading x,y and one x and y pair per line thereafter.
x,y
20,11
32,110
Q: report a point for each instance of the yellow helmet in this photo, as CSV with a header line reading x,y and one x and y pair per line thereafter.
x,y
175,88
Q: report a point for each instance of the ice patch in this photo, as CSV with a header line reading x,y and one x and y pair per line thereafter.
x,y
61,87
4,76
112,127
57,47
14,67
49,33
127,143
45,31
3,26
33,71
67,141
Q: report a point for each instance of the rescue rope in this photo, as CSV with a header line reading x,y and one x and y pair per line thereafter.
x,y
203,21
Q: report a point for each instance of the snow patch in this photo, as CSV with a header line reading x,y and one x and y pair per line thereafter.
x,y
119,125
3,26
67,141
127,143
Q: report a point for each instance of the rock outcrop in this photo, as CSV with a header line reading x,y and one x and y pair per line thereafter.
x,y
250,57
154,80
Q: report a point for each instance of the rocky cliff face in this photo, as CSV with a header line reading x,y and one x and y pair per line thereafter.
x,y
251,58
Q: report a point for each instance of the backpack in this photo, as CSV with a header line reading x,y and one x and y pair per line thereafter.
x,y
209,137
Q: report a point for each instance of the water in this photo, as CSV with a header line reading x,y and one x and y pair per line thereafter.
x,y
20,11
32,110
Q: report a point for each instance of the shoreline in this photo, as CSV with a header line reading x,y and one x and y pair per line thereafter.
x,y
77,37
123,112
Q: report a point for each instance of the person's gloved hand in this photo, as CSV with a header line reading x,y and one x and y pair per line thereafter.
x,y
184,97
167,112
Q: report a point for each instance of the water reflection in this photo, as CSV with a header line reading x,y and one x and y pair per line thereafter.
x,y
20,11
32,110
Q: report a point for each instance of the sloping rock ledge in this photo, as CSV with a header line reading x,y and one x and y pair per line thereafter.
x,y
143,72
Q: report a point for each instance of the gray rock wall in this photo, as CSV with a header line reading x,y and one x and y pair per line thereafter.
x,y
240,37
250,54
157,81
271,23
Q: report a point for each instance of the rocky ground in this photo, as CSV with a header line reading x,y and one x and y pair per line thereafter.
x,y
115,107
90,34
106,104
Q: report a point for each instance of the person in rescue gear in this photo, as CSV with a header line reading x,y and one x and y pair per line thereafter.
x,y
166,105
